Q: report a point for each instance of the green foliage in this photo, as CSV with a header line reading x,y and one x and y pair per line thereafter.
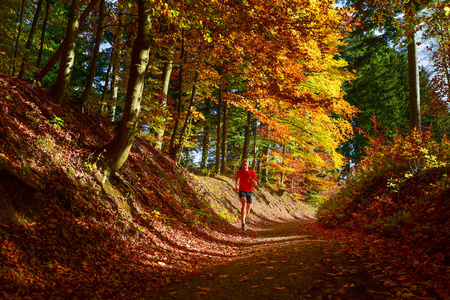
x,y
381,90
58,122
315,200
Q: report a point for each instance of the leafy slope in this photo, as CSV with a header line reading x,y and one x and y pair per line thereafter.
x,y
63,235
406,228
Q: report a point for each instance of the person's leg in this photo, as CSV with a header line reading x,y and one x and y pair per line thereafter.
x,y
249,197
248,207
243,210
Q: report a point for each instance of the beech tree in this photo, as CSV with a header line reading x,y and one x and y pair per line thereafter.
x,y
245,66
63,47
61,86
42,40
30,38
93,65
117,151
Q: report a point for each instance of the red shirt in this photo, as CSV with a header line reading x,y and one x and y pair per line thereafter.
x,y
245,183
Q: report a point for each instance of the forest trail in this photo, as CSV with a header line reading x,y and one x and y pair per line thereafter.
x,y
285,261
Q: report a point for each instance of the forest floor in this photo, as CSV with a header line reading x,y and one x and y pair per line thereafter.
x,y
158,231
288,261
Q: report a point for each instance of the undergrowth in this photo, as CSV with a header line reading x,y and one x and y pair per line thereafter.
x,y
400,192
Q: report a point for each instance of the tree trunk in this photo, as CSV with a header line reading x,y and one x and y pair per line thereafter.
x,y
23,67
254,143
118,149
93,67
41,45
179,146
414,87
116,57
16,45
265,170
218,142
172,146
206,136
265,158
247,136
61,87
224,168
166,83
282,172
59,52
106,89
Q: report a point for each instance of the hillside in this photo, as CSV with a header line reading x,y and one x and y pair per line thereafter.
x,y
64,235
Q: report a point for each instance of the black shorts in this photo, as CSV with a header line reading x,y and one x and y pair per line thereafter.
x,y
246,195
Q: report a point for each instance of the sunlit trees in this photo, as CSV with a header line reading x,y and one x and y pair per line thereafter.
x,y
381,89
398,20
118,149
230,79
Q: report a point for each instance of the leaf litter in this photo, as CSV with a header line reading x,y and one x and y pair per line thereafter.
x,y
160,226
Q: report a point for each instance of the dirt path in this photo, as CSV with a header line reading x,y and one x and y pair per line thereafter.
x,y
286,261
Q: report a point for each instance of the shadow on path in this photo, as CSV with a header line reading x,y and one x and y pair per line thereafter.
x,y
285,261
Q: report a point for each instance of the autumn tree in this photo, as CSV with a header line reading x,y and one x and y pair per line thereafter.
x,y
117,151
61,86
30,38
245,66
437,37
62,47
93,65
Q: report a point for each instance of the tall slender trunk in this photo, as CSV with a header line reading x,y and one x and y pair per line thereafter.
x,y
37,13
218,142
41,44
282,172
116,57
61,87
265,158
414,86
224,167
255,131
59,52
172,150
106,88
179,146
117,151
166,83
247,134
16,44
93,67
206,135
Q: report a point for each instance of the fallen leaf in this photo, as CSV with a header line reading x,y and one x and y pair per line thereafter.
x,y
389,284
268,278
280,287
341,292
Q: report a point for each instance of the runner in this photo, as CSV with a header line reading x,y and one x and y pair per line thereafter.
x,y
245,179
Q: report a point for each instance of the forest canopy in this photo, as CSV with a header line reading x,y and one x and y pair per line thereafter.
x,y
214,82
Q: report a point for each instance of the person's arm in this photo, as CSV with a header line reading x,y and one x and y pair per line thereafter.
x,y
237,180
254,182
